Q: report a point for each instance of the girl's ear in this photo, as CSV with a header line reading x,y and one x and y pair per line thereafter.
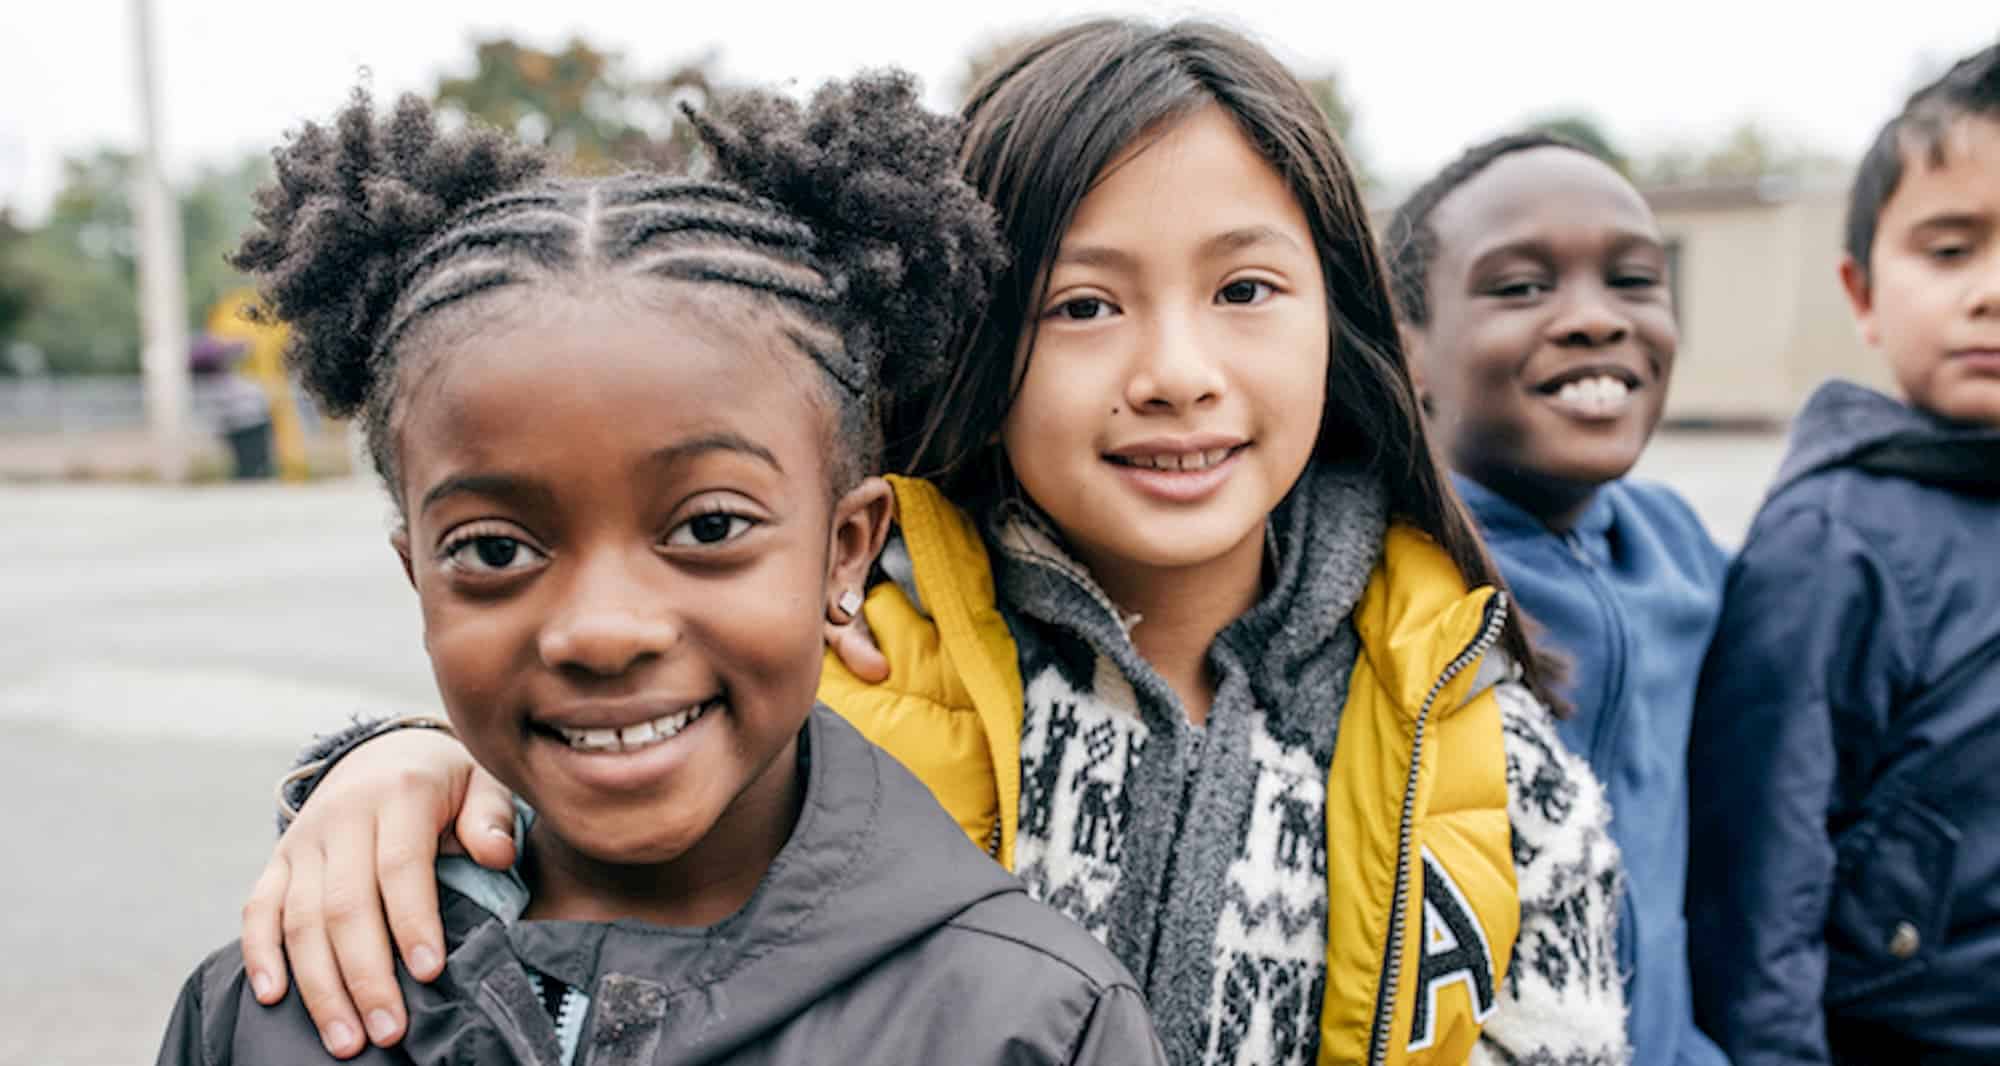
x,y
861,521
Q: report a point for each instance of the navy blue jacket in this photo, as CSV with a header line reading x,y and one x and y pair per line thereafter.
x,y
1629,595
1844,898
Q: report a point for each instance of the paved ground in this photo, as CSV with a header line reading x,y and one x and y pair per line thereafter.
x,y
162,652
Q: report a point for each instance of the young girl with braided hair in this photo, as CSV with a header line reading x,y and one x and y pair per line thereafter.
x,y
626,423
1187,628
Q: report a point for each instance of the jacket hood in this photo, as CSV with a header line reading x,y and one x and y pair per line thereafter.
x,y
873,866
1845,424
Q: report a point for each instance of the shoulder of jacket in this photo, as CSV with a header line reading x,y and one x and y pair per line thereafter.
x,y
1030,939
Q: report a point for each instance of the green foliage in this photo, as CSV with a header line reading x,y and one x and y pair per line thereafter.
x,y
81,264
581,103
18,289
1747,153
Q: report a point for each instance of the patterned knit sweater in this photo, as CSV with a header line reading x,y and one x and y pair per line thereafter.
x,y
1199,854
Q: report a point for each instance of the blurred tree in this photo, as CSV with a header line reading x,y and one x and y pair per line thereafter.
x,y
1749,152
18,289
1587,133
580,102
82,262
82,259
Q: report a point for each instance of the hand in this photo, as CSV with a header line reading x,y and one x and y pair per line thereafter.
x,y
854,643
367,842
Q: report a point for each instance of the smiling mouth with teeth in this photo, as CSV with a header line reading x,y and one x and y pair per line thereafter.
x,y
1598,397
633,737
1181,462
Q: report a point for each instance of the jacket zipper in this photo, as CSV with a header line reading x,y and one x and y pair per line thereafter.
x,y
1604,738
1392,960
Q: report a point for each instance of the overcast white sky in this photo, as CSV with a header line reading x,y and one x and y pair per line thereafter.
x,y
1424,78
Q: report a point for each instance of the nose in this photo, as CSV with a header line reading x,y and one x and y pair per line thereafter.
x,y
1177,370
1589,318
1986,289
611,619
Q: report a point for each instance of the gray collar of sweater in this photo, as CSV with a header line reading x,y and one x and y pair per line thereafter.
x,y
1322,542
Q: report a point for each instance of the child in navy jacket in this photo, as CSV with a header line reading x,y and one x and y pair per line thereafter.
x,y
1845,892
1532,281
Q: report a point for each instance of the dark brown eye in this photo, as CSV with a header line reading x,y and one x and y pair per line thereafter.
x,y
710,529
491,553
1243,292
497,552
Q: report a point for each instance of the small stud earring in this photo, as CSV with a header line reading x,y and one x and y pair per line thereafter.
x,y
850,604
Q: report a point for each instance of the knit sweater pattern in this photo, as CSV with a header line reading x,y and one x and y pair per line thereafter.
x,y
1199,853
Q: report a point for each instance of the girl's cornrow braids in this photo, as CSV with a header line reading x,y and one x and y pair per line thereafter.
x,y
851,215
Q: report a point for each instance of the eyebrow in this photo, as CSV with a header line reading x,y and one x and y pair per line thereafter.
x,y
1236,240
1223,243
1954,220
510,488
1095,255
1539,248
522,491
724,441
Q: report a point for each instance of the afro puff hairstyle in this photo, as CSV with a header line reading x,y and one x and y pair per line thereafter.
x,y
847,217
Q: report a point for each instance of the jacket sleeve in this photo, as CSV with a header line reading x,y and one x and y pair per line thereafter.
x,y
1807,650
1119,1031
1563,999
184,1044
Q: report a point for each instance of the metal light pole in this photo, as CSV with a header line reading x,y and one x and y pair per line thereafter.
x,y
162,289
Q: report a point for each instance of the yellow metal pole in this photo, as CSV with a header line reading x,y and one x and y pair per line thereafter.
x,y
265,364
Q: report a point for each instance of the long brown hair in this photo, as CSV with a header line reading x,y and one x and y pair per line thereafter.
x,y
1040,130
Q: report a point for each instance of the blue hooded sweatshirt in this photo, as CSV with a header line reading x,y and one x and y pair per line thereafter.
x,y
1630,595
1844,893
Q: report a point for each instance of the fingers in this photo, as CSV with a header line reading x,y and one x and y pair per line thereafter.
x,y
486,821
359,931
313,967
263,939
406,861
855,645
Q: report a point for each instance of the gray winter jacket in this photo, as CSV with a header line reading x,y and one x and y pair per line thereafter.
x,y
879,935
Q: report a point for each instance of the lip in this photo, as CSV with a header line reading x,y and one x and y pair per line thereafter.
x,y
1979,358
1549,386
615,714
1181,487
1198,442
619,771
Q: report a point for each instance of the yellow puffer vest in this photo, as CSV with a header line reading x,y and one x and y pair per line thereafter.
x,y
1419,775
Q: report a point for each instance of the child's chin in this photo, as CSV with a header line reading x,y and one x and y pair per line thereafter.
x,y
653,840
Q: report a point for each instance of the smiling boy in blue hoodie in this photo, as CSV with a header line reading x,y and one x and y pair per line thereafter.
x,y
1845,903
1532,280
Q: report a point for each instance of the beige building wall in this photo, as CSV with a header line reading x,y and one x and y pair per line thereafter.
x,y
1763,319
